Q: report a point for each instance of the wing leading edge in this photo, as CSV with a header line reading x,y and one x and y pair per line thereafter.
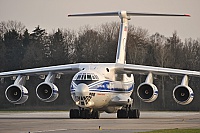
x,y
120,68
144,70
60,69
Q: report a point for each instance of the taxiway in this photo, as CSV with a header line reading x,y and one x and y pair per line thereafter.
x,y
59,122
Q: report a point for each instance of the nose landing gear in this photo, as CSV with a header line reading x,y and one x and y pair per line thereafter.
x,y
84,114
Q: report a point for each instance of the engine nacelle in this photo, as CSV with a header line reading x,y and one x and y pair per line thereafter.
x,y
16,94
47,92
148,92
183,94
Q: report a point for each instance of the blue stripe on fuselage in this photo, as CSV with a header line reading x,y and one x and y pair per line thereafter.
x,y
104,87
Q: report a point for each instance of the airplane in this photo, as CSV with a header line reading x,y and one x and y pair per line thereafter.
x,y
102,87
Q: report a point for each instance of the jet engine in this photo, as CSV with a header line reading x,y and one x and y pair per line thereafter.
x,y
183,94
17,93
147,91
47,91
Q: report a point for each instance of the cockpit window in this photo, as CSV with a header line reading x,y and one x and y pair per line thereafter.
x,y
86,78
96,76
79,77
83,76
89,77
93,77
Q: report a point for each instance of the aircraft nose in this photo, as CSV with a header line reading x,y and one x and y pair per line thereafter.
x,y
82,90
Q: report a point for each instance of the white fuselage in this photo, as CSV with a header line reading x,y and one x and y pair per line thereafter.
x,y
99,88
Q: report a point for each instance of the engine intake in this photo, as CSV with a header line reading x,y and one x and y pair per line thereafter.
x,y
147,92
16,94
183,94
47,92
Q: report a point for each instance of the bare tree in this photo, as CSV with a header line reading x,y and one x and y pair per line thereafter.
x,y
69,46
136,45
109,36
161,53
2,54
11,25
87,44
175,56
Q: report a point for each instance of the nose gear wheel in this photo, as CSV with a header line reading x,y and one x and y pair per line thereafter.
x,y
84,114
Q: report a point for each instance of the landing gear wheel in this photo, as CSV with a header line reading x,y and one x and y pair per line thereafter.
x,y
134,113
71,113
122,113
74,113
119,113
83,113
95,114
86,114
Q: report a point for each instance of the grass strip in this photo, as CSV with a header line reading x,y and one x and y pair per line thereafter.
x,y
175,131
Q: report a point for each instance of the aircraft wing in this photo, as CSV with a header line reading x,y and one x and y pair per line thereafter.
x,y
144,70
60,69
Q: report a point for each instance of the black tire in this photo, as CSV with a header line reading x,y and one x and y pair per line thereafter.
x,y
86,114
95,114
133,113
76,113
71,114
122,113
119,114
82,113
137,114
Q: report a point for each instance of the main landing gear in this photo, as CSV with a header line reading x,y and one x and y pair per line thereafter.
x,y
128,113
84,114
125,112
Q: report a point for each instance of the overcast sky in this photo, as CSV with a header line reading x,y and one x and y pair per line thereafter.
x,y
52,14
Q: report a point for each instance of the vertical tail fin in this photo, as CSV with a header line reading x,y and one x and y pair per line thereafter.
x,y
124,16
121,48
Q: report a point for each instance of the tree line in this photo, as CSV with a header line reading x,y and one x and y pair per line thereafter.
x,y
21,49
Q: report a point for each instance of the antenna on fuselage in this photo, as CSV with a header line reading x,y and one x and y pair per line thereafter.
x,y
124,16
